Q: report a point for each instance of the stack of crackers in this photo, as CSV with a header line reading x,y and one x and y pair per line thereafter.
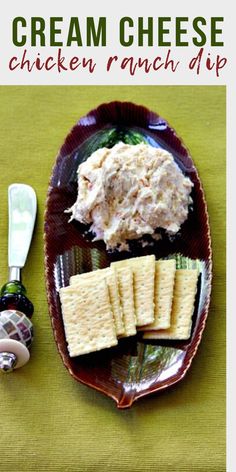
x,y
143,294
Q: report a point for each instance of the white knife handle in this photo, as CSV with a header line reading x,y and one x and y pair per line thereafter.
x,y
22,208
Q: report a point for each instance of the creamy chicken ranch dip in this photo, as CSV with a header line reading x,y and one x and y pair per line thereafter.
x,y
129,191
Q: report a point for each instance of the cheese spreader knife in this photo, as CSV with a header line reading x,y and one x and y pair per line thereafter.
x,y
16,329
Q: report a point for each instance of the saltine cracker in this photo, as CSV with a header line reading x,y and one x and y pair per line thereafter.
x,y
163,294
87,316
109,275
144,273
182,308
125,284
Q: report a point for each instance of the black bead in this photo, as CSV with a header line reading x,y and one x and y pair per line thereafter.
x,y
15,301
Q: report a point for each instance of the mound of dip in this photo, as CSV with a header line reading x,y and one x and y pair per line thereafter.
x,y
130,191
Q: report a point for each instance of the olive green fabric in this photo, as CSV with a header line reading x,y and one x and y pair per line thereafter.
x,y
48,420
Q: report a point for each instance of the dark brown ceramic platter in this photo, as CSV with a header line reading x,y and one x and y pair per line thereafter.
x,y
134,368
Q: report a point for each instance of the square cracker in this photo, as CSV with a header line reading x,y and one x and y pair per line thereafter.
x,y
144,273
109,275
126,291
163,294
87,317
182,308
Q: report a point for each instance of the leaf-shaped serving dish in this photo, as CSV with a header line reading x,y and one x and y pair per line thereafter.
x,y
134,368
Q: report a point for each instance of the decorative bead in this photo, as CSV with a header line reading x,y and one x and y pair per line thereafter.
x,y
16,326
14,286
9,348
16,301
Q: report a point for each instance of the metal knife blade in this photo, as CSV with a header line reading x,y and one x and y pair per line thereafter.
x,y
22,208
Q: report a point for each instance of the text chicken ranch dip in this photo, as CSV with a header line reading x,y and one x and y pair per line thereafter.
x,y
129,191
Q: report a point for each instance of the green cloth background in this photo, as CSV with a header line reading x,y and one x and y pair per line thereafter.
x,y
49,422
